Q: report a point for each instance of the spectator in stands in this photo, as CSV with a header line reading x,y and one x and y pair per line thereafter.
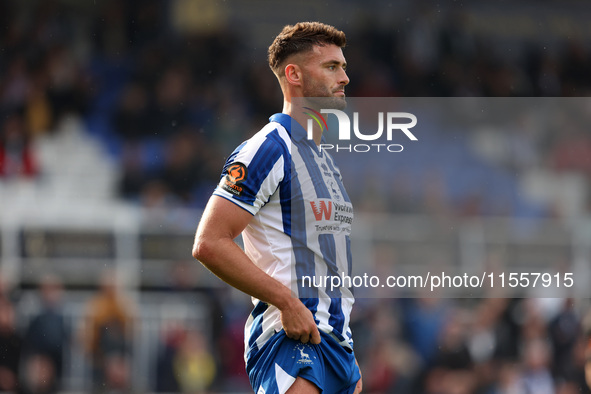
x,y
424,319
39,376
133,175
185,363
508,379
17,158
10,348
576,376
588,362
168,113
16,81
193,363
107,335
452,350
47,336
130,119
536,375
229,349
38,111
68,86
184,164
565,334
575,65
452,365
166,378
389,364
572,149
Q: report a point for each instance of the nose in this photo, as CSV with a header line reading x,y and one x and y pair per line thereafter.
x,y
343,78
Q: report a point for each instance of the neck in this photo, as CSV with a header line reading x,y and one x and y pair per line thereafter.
x,y
297,113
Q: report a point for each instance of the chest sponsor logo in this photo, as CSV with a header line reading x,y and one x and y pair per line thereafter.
x,y
321,209
331,216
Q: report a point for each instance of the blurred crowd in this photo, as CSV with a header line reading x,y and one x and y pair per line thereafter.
x,y
484,346
170,106
49,345
418,345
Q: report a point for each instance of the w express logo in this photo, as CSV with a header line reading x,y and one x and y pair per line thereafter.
x,y
332,216
321,208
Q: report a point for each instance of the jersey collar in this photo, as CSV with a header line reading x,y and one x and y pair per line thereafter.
x,y
295,130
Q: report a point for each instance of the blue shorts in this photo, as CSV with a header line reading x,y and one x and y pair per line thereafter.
x,y
274,368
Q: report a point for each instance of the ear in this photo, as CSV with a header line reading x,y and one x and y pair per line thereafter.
x,y
293,74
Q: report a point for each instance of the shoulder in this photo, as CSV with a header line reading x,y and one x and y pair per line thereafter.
x,y
269,144
274,133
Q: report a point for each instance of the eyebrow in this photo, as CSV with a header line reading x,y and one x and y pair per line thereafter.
x,y
335,62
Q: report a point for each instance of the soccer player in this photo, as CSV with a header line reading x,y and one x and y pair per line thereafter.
x,y
285,195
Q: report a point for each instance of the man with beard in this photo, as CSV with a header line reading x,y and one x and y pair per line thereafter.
x,y
278,190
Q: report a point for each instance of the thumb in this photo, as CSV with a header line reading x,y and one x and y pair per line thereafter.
x,y
315,337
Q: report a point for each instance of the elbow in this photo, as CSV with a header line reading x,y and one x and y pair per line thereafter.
x,y
206,252
202,250
198,249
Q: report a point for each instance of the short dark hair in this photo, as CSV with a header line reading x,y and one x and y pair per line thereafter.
x,y
300,38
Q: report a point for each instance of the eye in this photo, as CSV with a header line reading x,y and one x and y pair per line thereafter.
x,y
332,68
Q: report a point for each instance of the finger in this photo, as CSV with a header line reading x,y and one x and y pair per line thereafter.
x,y
305,338
292,336
315,339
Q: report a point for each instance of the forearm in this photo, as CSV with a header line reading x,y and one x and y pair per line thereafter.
x,y
214,247
229,262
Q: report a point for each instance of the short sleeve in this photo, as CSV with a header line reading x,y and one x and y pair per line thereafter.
x,y
253,173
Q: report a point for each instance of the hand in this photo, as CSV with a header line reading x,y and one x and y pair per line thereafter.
x,y
298,323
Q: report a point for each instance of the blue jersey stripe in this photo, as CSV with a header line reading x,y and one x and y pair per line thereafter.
x,y
285,185
307,154
336,319
257,325
285,198
349,256
263,161
304,257
329,254
230,158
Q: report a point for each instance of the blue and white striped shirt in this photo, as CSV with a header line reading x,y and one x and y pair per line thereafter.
x,y
300,228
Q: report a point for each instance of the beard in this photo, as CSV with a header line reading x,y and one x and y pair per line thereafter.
x,y
321,97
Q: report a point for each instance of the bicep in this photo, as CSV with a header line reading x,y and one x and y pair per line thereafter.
x,y
222,219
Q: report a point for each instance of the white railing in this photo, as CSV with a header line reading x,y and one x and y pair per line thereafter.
x,y
77,242
155,313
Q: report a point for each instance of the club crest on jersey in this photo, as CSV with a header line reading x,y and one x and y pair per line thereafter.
x,y
303,356
236,174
